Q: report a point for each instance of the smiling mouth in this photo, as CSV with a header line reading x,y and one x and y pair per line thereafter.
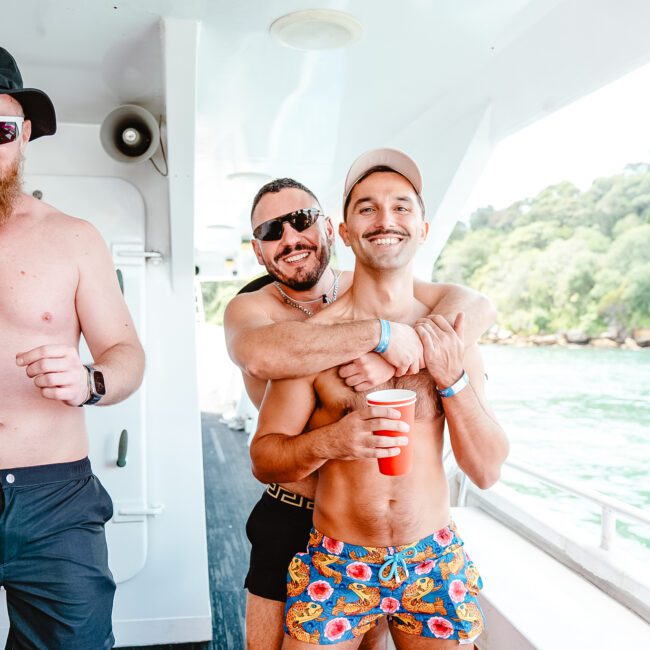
x,y
298,257
385,241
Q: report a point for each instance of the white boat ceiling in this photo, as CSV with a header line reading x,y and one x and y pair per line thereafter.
x,y
444,80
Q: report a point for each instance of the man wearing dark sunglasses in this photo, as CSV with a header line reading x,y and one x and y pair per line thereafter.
x,y
363,564
57,281
269,336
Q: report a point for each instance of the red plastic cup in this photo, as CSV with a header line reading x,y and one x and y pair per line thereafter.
x,y
404,402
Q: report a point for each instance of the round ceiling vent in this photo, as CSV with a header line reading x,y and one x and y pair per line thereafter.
x,y
316,29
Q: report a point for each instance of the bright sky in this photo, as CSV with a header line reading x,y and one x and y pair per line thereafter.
x,y
595,136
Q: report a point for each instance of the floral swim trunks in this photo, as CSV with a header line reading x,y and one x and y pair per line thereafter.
x,y
338,591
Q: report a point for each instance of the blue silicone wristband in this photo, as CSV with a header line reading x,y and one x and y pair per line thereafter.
x,y
455,388
384,337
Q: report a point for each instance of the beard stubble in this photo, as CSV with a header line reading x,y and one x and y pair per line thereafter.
x,y
11,182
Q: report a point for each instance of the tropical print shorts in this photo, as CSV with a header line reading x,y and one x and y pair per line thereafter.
x,y
338,591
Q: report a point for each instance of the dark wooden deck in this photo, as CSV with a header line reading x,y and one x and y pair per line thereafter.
x,y
230,493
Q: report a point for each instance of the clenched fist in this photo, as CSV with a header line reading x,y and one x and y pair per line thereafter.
x,y
57,372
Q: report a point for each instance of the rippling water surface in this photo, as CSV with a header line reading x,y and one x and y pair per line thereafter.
x,y
581,414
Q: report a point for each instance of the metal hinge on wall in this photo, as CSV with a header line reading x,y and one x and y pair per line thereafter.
x,y
128,514
134,254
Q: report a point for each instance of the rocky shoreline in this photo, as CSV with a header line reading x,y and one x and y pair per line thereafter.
x,y
636,340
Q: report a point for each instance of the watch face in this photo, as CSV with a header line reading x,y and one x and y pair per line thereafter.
x,y
98,380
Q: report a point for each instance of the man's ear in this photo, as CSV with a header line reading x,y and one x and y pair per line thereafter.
x,y
27,134
424,232
343,233
329,229
258,252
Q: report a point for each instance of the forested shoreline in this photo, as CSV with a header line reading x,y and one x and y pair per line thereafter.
x,y
565,266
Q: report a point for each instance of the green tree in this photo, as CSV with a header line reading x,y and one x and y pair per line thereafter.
x,y
563,259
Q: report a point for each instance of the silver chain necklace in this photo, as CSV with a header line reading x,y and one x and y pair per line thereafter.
x,y
298,304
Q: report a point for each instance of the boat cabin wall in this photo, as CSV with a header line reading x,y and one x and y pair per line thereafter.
x,y
157,537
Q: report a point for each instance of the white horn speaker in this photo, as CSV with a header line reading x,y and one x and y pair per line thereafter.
x,y
130,134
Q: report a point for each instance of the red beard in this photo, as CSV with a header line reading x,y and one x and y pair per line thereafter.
x,y
10,188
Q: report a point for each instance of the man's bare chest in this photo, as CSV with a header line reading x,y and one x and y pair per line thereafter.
x,y
336,399
37,289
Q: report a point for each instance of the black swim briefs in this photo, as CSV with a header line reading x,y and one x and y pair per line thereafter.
x,y
278,528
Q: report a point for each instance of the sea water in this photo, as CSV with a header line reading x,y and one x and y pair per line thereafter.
x,y
580,414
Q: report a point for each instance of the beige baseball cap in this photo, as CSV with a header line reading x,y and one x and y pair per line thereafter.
x,y
392,158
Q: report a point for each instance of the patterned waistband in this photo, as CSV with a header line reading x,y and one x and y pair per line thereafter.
x,y
290,498
430,547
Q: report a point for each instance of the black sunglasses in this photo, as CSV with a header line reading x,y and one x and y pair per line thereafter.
x,y
10,127
299,220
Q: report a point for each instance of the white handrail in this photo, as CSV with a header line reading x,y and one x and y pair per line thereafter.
x,y
609,505
601,499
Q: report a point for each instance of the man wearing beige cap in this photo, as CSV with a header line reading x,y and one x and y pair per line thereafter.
x,y
270,334
382,545
56,281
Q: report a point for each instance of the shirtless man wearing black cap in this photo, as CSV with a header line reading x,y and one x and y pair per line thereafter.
x,y
269,336
56,281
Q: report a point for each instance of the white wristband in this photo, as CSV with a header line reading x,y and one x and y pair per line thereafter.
x,y
454,389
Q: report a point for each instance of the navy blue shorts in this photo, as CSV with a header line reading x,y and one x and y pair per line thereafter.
x,y
53,557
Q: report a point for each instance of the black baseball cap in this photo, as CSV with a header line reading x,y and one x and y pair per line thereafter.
x,y
37,106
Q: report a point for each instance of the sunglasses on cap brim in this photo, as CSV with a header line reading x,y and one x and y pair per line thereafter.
x,y
299,220
10,128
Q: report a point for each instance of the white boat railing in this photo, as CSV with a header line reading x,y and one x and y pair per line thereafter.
x,y
610,507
